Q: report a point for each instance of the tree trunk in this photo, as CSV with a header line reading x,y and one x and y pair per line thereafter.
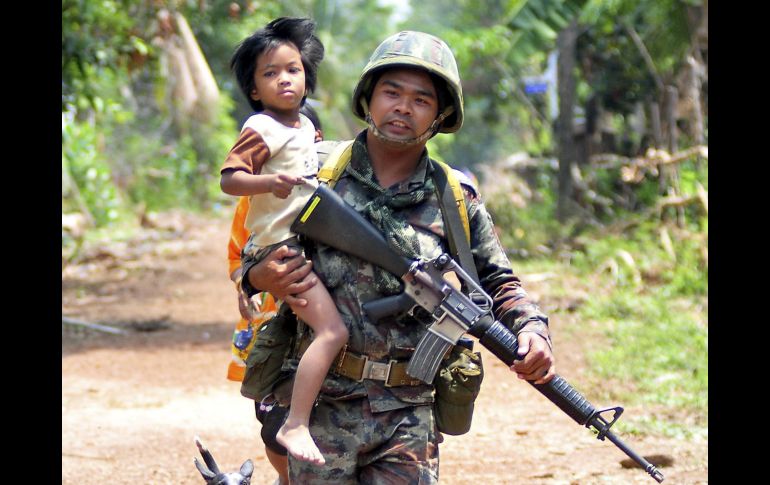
x,y
671,173
692,80
566,43
672,102
657,132
206,89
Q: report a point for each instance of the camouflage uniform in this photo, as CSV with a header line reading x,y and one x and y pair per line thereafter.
x,y
367,432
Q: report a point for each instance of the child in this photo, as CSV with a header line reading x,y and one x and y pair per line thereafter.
x,y
274,162
252,317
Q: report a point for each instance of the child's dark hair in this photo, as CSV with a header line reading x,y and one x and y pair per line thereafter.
x,y
298,31
311,114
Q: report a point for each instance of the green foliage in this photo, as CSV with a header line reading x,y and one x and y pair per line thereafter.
x,y
99,39
613,64
82,160
646,297
531,229
118,141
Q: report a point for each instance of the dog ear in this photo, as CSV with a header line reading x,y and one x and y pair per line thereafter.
x,y
206,456
247,468
207,474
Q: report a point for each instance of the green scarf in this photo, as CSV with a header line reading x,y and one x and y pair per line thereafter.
x,y
401,237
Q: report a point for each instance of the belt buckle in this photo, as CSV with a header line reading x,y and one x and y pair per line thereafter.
x,y
390,367
365,369
376,370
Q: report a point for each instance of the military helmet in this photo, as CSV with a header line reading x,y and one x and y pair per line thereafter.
x,y
420,50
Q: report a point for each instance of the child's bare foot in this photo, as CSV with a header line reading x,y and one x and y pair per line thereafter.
x,y
299,443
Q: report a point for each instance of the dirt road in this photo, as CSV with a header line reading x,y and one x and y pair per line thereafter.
x,y
132,403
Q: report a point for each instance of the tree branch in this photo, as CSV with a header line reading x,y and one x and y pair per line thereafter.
x,y
645,55
92,326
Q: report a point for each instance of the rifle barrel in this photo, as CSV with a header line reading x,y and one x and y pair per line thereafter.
x,y
504,345
646,465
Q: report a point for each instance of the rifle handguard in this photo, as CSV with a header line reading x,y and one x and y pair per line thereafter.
x,y
338,225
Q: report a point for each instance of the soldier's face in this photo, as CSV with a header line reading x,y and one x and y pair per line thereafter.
x,y
404,103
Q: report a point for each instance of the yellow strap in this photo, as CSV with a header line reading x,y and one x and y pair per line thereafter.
x,y
340,157
457,191
336,162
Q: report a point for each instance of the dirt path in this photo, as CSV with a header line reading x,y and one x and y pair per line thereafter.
x,y
132,403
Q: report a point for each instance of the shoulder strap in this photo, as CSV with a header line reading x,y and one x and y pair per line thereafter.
x,y
459,197
455,215
335,163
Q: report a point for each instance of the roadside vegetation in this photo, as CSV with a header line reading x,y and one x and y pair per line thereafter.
x,y
635,287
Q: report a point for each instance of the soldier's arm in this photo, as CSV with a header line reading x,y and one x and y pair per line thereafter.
x,y
512,305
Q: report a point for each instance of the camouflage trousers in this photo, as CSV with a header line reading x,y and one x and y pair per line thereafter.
x,y
393,447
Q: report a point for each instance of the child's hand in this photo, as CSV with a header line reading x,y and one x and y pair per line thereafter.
x,y
282,184
243,306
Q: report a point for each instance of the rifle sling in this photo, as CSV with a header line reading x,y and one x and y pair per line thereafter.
x,y
458,244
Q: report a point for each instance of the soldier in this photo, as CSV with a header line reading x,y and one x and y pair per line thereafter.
x,y
369,430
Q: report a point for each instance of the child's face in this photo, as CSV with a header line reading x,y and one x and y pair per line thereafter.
x,y
279,79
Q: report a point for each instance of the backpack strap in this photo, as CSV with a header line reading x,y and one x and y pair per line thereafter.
x,y
459,197
335,163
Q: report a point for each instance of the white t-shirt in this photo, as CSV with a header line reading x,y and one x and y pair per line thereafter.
x,y
291,151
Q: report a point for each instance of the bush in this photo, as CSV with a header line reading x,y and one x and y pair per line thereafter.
x,y
532,230
90,171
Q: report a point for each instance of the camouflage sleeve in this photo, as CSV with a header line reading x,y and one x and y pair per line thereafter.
x,y
511,303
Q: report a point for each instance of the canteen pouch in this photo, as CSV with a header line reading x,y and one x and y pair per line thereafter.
x,y
263,364
457,384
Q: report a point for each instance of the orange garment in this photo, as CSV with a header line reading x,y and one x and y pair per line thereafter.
x,y
264,303
238,235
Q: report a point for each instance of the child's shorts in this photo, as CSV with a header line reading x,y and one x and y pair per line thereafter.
x,y
252,254
272,416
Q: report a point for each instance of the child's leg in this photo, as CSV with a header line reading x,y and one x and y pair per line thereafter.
x,y
330,334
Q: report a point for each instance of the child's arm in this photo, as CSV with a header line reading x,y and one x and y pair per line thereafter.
x,y
240,182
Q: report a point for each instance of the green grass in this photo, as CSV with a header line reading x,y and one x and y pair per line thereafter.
x,y
661,349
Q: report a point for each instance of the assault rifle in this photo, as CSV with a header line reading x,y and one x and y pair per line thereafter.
x,y
326,218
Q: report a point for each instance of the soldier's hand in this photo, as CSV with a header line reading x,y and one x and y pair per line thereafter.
x,y
283,273
535,361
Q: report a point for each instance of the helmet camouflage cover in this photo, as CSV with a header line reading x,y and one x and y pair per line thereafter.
x,y
420,50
